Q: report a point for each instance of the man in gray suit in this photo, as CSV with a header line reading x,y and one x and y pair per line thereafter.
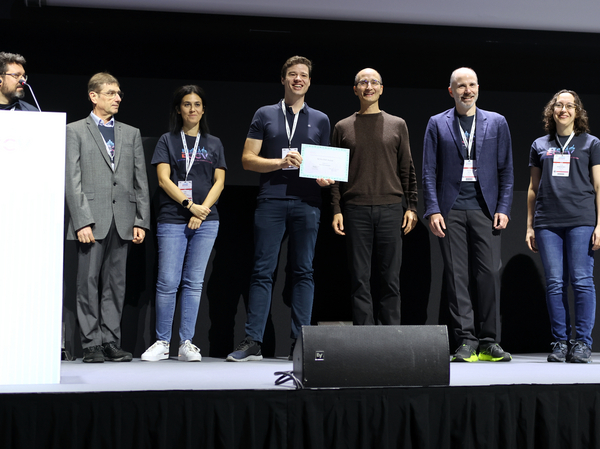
x,y
107,196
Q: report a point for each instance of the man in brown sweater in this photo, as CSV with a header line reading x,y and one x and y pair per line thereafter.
x,y
368,208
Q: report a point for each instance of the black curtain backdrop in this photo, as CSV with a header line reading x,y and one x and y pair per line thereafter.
x,y
237,60
496,417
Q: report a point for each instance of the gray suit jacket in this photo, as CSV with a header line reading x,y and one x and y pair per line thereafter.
x,y
94,193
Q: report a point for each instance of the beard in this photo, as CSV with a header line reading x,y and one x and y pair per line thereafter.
x,y
473,101
13,96
18,94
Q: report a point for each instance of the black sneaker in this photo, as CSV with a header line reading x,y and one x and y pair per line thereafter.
x,y
465,353
291,356
115,354
494,353
559,351
580,352
246,351
93,354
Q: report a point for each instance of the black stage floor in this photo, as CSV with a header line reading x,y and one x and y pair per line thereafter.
x,y
527,403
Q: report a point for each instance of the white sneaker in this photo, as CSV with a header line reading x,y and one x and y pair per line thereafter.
x,y
189,352
158,351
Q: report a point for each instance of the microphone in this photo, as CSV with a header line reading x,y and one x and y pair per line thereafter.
x,y
23,83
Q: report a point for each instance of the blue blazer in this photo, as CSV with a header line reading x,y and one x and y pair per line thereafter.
x,y
443,162
26,106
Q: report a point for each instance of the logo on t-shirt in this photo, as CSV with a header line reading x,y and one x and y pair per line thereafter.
x,y
556,150
201,155
467,136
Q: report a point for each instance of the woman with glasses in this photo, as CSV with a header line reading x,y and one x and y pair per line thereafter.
x,y
190,164
562,221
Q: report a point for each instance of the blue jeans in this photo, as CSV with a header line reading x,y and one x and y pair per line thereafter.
x,y
273,217
567,253
183,254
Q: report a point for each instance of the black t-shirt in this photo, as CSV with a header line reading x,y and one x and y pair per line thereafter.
x,y
470,196
210,156
564,202
8,107
18,105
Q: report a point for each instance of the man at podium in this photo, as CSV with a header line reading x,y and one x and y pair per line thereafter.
x,y
12,74
107,195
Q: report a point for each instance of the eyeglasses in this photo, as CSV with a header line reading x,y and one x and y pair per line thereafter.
x,y
17,76
112,93
568,106
365,83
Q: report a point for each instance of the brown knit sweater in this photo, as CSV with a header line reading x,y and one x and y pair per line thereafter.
x,y
381,168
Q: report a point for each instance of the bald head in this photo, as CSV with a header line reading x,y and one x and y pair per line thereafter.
x,y
368,87
461,71
361,75
464,88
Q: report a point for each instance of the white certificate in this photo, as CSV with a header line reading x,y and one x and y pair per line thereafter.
x,y
324,162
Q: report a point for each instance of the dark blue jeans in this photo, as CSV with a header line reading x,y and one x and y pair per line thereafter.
x,y
273,217
569,249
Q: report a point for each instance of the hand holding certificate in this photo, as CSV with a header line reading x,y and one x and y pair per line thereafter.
x,y
325,162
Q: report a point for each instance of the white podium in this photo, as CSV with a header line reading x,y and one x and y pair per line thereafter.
x,y
32,198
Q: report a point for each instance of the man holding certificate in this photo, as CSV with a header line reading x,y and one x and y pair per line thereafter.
x,y
286,203
368,208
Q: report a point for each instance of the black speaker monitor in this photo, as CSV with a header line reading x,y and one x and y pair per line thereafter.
x,y
372,356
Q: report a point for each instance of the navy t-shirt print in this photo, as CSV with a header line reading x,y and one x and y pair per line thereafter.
x,y
209,157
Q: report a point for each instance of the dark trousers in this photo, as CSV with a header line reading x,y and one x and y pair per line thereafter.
x,y
101,265
374,230
273,217
472,248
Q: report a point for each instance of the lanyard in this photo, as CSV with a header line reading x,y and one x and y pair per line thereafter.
x,y
290,135
111,153
564,147
189,161
464,138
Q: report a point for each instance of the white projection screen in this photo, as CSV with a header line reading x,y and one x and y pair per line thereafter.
x,y
576,15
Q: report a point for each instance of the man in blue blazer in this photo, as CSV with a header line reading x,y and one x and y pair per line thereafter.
x,y
467,191
107,195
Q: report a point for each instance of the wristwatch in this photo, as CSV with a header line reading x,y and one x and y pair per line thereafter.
x,y
186,203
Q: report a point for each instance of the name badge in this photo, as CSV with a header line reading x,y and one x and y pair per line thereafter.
x,y
186,188
284,152
469,173
561,165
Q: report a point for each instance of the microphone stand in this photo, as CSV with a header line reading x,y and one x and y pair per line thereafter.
x,y
23,83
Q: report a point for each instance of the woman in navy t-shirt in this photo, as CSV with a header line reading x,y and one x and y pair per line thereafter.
x,y
190,164
562,221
